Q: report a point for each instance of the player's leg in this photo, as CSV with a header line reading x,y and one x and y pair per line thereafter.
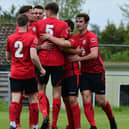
x,y
19,112
107,109
56,106
56,78
42,98
16,89
100,97
31,90
71,84
67,107
86,91
69,113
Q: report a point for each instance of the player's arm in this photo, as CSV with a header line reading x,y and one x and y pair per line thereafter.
x,y
92,55
72,51
36,61
45,46
8,56
58,41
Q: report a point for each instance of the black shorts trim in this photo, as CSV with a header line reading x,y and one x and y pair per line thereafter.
x,y
26,86
70,86
94,82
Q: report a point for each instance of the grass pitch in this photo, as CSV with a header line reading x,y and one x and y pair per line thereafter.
x,y
121,114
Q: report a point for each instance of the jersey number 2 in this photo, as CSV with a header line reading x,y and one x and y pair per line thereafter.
x,y
19,46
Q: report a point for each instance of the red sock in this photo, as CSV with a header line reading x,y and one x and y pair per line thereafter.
x,y
89,113
43,104
69,116
55,111
33,114
13,111
48,105
76,115
19,111
108,110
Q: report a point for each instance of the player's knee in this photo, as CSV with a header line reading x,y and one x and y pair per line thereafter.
x,y
72,100
33,98
101,101
42,88
86,98
16,97
56,92
65,100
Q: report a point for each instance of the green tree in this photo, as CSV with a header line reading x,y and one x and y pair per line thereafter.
x,y
126,38
125,10
112,35
8,16
68,8
108,35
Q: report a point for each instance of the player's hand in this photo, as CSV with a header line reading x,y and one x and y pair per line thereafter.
x,y
46,45
43,72
79,51
9,61
74,58
45,36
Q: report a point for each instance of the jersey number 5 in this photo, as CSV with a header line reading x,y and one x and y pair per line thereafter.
x,y
49,29
19,46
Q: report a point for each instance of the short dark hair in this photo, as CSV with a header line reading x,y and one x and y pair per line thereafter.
x,y
25,9
70,24
52,6
85,16
22,20
38,7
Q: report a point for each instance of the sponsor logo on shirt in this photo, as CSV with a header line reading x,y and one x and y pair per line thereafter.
x,y
93,40
34,29
84,42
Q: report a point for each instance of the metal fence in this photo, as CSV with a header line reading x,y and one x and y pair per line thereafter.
x,y
117,74
114,81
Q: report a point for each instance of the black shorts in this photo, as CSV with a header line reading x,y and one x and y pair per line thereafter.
x,y
56,73
27,86
94,82
70,86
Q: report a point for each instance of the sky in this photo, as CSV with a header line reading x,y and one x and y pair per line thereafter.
x,y
100,11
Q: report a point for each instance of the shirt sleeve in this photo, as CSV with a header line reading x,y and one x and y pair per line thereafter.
x,y
93,42
73,42
34,42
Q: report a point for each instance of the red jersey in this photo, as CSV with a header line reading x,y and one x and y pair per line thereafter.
x,y
19,44
31,29
87,41
71,68
57,28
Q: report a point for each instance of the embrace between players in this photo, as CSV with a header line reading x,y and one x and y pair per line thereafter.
x,y
38,49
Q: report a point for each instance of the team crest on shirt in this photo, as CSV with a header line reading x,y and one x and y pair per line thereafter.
x,y
93,40
84,42
34,29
